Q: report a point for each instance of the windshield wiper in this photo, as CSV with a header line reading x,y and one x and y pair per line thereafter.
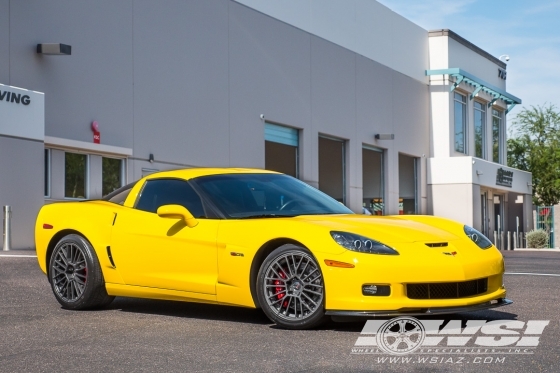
x,y
326,213
259,216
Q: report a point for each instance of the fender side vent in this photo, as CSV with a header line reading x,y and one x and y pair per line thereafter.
x,y
110,256
437,244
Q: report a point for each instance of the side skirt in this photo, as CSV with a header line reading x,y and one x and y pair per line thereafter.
x,y
120,290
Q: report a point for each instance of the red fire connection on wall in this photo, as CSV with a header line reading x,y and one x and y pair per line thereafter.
x,y
96,133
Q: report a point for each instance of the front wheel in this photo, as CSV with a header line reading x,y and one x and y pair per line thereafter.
x,y
75,275
290,288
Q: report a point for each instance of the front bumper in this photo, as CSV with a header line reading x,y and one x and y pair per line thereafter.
x,y
416,264
422,311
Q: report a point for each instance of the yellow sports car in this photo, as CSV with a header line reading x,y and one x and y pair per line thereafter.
x,y
256,238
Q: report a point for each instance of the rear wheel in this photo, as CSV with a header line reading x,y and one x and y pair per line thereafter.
x,y
290,288
75,275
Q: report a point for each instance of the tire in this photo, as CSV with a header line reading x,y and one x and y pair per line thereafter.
x,y
290,288
75,275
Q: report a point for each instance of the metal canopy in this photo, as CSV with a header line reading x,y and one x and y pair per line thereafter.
x,y
462,76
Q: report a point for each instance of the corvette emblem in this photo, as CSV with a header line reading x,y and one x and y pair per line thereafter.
x,y
453,253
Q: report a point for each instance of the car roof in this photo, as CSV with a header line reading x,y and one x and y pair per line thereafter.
x,y
191,173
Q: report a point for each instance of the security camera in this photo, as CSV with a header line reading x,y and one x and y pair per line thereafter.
x,y
262,116
507,58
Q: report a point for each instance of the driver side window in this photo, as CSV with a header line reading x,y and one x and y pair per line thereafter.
x,y
159,192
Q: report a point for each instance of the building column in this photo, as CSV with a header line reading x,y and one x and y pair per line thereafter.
x,y
354,191
528,221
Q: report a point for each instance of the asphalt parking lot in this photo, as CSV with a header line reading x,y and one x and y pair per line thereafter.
x,y
135,335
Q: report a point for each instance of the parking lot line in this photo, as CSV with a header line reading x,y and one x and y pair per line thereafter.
x,y
532,274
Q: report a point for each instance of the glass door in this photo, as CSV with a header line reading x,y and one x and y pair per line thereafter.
x,y
372,181
332,156
498,218
281,149
484,213
408,185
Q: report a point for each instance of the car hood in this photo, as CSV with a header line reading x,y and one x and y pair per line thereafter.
x,y
386,229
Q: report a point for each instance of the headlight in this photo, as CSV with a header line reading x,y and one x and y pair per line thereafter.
x,y
361,244
478,238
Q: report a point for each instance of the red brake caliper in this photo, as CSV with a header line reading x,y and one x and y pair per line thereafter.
x,y
278,289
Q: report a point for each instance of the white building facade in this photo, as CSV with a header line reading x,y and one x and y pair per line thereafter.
x,y
468,177
347,96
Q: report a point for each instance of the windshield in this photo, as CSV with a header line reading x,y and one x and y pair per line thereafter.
x,y
266,195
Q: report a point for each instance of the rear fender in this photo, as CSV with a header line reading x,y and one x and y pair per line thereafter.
x,y
93,221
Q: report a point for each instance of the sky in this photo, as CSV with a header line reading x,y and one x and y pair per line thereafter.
x,y
526,30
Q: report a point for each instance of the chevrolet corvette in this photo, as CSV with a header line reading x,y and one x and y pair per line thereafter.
x,y
261,239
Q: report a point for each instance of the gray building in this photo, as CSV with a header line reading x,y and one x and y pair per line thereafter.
x,y
336,94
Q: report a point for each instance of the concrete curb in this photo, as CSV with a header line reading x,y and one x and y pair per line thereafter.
x,y
17,256
19,253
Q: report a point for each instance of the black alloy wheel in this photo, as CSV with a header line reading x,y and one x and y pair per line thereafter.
x,y
290,288
75,275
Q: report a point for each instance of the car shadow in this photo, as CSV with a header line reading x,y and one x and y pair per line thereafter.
x,y
477,315
357,324
256,316
189,310
215,312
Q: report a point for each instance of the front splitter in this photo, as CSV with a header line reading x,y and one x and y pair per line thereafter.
x,y
422,311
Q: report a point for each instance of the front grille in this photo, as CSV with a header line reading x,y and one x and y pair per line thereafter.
x,y
447,290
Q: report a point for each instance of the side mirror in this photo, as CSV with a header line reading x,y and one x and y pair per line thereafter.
x,y
177,212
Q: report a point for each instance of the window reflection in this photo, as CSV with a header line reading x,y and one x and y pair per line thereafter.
x,y
75,167
496,135
479,129
460,122
112,174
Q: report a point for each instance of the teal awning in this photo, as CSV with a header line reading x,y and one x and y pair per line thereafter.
x,y
462,76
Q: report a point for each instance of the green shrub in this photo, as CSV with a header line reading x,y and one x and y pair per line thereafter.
x,y
537,239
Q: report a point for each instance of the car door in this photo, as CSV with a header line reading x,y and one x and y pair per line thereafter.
x,y
165,253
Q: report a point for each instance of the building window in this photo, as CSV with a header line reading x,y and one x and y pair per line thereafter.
x,y
497,135
112,174
479,129
460,122
332,168
47,172
75,175
408,185
373,180
281,149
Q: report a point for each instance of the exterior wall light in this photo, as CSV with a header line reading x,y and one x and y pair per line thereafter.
x,y
151,158
384,136
55,49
